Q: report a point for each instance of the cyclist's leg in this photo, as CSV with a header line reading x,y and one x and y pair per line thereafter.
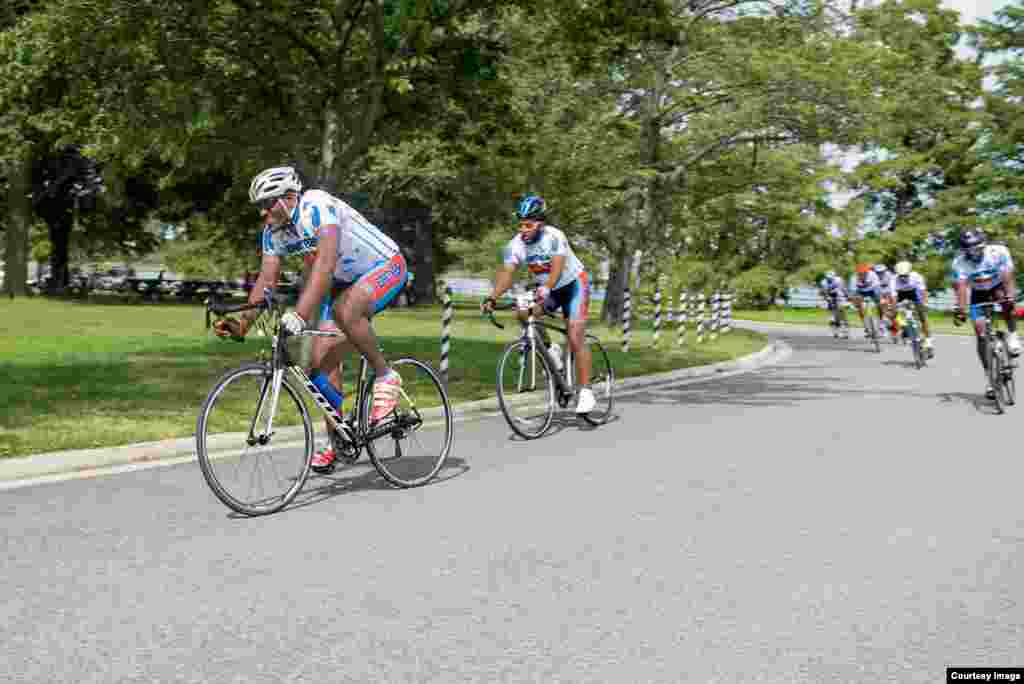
x,y
370,293
373,291
575,311
979,297
325,356
1010,317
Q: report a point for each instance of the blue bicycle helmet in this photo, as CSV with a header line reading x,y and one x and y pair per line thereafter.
x,y
532,207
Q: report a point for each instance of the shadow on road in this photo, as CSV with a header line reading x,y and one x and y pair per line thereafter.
x,y
360,477
564,420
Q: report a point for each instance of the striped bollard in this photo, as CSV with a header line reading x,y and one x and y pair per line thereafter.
x,y
683,311
715,314
728,312
657,316
446,329
701,323
627,314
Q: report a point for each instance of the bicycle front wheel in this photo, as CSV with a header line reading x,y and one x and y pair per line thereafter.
x,y
920,360
602,383
872,325
526,390
1007,385
418,435
251,472
995,374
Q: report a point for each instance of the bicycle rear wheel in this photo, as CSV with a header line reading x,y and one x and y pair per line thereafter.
x,y
419,431
526,390
250,472
602,383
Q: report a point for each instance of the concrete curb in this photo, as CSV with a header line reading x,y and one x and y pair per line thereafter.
x,y
93,461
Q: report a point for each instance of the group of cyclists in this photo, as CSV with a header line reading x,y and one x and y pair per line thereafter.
x,y
356,270
983,272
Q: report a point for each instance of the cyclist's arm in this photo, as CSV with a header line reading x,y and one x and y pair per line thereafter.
x,y
321,274
503,280
961,293
1011,284
270,271
557,264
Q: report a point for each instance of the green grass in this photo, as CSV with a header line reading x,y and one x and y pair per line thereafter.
x,y
80,374
940,321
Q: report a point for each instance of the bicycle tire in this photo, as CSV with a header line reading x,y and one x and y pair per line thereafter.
x,y
516,360
872,326
207,461
1007,385
408,467
920,360
604,389
995,375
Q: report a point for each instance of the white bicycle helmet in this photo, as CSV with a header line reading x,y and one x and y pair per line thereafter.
x,y
903,268
274,182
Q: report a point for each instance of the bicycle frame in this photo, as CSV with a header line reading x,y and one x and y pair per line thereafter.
x,y
281,360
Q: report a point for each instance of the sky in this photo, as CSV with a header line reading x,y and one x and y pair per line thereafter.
x,y
972,10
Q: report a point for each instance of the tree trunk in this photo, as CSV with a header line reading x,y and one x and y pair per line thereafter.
x,y
620,267
423,286
59,222
329,147
16,266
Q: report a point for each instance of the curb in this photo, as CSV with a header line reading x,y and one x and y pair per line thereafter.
x,y
182,449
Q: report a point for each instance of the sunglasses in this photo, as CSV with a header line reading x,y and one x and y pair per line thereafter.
x,y
267,203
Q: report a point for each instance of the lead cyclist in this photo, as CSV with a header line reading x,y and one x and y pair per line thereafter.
x,y
355,272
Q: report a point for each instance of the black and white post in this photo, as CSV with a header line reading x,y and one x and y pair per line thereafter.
x,y
446,330
684,312
657,315
701,324
627,314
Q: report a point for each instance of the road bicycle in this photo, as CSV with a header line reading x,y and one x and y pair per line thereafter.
x,y
840,327
906,321
535,377
871,323
255,437
999,363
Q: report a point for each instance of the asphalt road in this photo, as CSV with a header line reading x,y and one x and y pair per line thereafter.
x,y
839,517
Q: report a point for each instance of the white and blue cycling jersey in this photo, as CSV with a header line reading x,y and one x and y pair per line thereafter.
x,y
986,274
361,245
537,256
912,282
866,284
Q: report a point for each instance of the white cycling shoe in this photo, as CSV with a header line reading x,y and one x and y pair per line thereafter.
x,y
587,401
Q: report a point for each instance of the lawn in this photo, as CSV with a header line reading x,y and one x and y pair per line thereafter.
x,y
82,374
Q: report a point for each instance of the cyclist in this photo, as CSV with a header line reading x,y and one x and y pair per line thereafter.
x,y
562,282
355,271
909,285
983,273
866,284
888,299
833,292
